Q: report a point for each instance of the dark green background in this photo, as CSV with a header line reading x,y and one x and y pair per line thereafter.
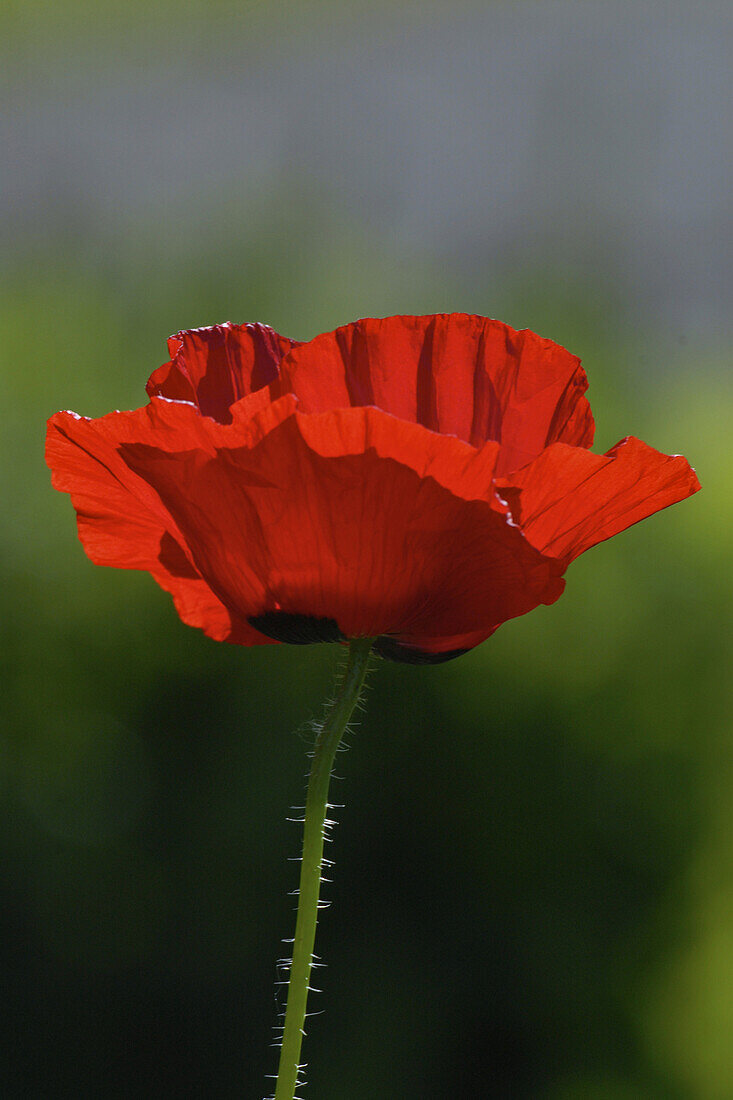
x,y
533,891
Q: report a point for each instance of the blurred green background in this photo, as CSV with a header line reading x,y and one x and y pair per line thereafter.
x,y
533,891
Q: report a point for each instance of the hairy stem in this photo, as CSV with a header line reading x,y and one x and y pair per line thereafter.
x,y
327,742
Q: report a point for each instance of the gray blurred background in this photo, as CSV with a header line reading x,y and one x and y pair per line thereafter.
x,y
533,893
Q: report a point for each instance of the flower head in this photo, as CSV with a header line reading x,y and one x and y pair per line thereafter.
x,y
419,480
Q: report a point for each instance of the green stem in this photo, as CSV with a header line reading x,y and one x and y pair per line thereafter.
x,y
316,805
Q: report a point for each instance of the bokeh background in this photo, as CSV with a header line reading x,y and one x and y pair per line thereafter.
x,y
533,892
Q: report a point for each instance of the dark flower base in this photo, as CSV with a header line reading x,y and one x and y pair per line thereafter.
x,y
308,630
296,629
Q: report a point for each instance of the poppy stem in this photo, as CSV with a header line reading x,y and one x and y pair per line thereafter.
x,y
327,742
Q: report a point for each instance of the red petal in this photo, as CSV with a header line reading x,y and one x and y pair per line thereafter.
x,y
121,520
568,499
456,374
354,516
214,367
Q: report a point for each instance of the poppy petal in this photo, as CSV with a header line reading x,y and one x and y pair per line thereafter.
x,y
121,520
456,374
413,655
378,525
215,367
429,651
568,499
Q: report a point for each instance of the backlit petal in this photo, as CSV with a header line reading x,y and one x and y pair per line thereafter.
x,y
214,367
456,374
352,516
568,499
121,520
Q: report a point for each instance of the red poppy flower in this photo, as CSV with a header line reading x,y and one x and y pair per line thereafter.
x,y
419,480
